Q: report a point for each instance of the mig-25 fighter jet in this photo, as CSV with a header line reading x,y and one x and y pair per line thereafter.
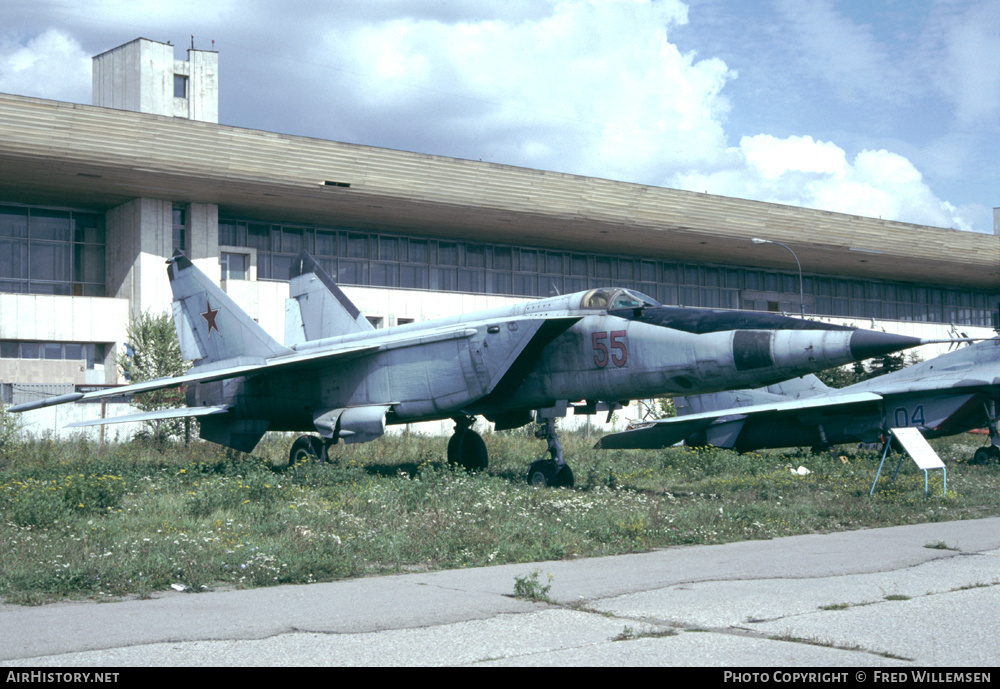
x,y
946,395
338,378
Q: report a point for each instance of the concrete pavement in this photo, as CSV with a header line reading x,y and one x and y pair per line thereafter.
x,y
859,598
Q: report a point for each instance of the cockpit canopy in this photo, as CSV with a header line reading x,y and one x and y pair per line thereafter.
x,y
616,298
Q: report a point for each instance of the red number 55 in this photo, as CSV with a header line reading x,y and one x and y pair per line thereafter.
x,y
618,353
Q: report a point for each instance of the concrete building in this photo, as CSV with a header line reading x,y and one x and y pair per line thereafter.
x,y
93,199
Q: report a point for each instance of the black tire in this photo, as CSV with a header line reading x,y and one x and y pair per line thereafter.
x,y
306,448
986,455
542,474
564,477
468,450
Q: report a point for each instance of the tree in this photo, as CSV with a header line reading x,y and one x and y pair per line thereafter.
x,y
858,371
152,351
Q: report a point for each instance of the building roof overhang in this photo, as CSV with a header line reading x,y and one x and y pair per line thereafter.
x,y
66,154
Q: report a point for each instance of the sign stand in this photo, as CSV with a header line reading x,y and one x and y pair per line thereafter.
x,y
919,450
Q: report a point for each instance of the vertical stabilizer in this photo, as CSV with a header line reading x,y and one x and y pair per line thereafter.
x,y
210,326
316,308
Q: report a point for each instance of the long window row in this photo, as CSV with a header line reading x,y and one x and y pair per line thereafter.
x,y
91,352
358,257
45,251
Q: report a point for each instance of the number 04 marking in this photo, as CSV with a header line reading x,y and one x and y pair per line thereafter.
x,y
610,346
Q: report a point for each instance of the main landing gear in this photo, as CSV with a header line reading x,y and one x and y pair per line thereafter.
x,y
553,471
308,448
466,447
991,453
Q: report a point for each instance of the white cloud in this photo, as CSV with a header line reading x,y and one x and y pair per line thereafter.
x,y
773,157
814,174
50,65
590,88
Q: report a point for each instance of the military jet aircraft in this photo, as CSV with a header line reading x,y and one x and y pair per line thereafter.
x,y
341,379
943,396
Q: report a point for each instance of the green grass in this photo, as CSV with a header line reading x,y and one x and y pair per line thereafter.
x,y
83,520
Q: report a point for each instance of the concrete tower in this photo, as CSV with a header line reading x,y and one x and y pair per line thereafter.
x,y
143,76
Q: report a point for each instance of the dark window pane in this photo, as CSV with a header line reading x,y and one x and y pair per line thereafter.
x,y
502,258
474,256
13,222
88,263
13,259
602,268
357,245
49,262
88,229
353,272
291,240
281,267
259,237
528,261
526,285
447,254
326,243
52,225
388,248
626,269
498,283
648,272
444,279
418,251
413,276
227,234
385,274
471,281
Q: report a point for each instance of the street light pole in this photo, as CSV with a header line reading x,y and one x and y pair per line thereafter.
x,y
802,297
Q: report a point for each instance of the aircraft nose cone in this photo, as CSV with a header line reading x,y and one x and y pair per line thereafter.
x,y
866,344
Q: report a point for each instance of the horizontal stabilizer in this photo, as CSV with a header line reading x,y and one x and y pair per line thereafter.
x,y
177,413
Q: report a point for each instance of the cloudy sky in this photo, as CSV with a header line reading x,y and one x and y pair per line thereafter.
x,y
885,108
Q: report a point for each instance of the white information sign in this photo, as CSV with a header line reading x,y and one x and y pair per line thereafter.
x,y
918,448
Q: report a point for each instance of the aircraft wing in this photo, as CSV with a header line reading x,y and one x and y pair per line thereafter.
x,y
505,365
722,425
243,367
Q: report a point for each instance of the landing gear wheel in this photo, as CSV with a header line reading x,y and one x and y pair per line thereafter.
x,y
545,473
542,473
306,448
467,449
564,477
986,455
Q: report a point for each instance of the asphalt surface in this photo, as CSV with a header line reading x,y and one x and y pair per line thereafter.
x,y
878,597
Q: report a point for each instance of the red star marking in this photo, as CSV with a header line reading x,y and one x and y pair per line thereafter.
x,y
209,316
